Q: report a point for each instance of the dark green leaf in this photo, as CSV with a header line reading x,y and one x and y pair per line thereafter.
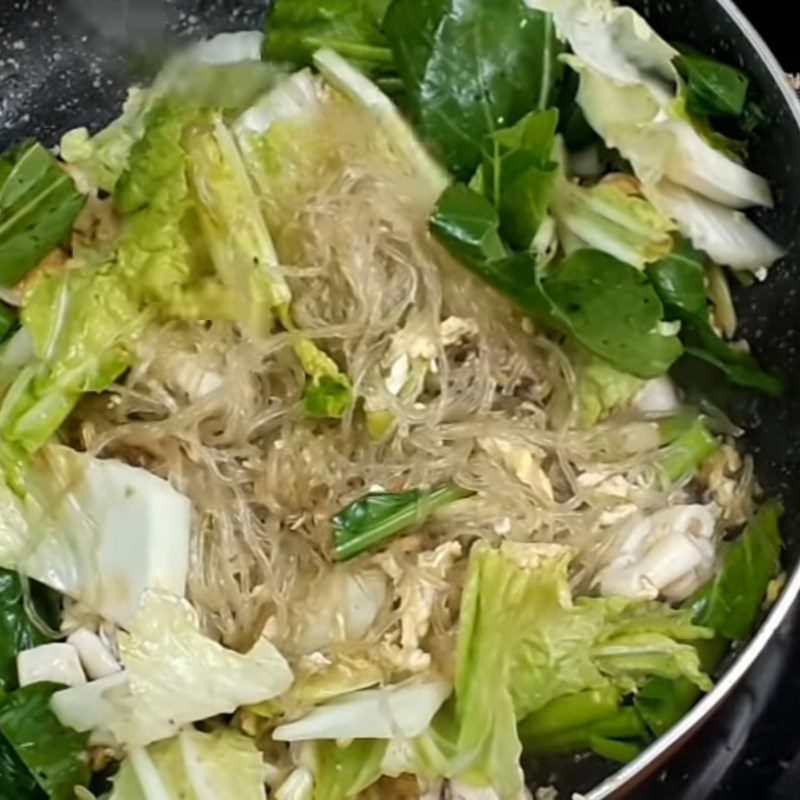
x,y
153,158
295,29
8,321
714,88
519,177
731,145
17,632
661,702
607,306
16,783
569,713
739,366
377,517
612,310
731,604
38,206
54,755
471,67
679,281
468,225
753,118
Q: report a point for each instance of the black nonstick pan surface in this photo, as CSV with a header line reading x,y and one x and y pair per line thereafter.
x,y
68,63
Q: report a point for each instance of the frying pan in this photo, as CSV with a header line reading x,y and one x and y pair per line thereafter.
x,y
66,63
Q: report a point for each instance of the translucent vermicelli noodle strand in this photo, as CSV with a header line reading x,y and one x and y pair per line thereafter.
x,y
468,391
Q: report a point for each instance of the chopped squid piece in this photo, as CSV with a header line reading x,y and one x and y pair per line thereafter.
x,y
670,553
96,658
54,663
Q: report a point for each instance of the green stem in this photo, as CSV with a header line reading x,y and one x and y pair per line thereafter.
x,y
671,428
624,727
613,750
688,452
568,713
352,50
661,702
419,507
625,724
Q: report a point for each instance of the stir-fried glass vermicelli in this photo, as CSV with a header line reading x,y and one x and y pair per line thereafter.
x,y
468,389
361,477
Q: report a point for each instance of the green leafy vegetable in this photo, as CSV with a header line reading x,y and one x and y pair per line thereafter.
x,y
161,269
586,293
8,321
687,452
17,630
53,754
192,236
661,702
523,643
713,88
296,29
194,766
16,782
375,518
519,175
345,772
38,206
470,68
602,388
580,297
222,73
606,218
155,160
732,602
82,350
329,392
469,226
175,195
590,720
104,156
679,281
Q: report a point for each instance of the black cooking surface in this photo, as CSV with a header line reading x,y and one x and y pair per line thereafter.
x,y
751,749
